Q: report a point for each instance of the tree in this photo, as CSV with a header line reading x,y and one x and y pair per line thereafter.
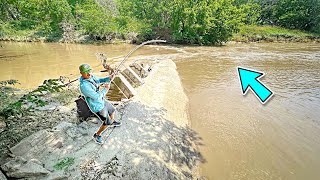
x,y
294,14
95,20
201,22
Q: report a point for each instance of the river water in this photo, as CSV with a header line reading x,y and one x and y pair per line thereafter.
x,y
32,63
241,138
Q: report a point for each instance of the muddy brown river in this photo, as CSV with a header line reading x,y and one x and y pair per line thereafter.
x,y
32,63
241,138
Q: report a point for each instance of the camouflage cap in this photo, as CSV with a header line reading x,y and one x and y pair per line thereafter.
x,y
85,68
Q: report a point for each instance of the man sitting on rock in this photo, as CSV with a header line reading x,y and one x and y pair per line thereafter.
x,y
94,96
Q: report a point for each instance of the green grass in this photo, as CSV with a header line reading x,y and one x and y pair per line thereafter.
x,y
65,163
272,33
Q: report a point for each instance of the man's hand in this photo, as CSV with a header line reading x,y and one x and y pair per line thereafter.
x,y
111,76
105,85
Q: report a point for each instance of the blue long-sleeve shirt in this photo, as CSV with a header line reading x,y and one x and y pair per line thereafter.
x,y
93,96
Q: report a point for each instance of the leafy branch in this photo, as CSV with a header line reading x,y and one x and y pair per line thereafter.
x,y
31,99
8,82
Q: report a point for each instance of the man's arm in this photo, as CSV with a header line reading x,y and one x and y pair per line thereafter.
x,y
103,80
88,91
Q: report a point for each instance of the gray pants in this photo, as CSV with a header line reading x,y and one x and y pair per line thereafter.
x,y
106,112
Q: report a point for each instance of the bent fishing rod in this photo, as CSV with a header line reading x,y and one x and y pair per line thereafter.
x,y
132,51
127,56
124,59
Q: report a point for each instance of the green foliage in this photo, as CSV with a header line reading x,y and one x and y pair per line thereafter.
x,y
5,92
95,20
33,97
41,15
51,85
65,163
178,21
8,82
200,22
250,13
292,14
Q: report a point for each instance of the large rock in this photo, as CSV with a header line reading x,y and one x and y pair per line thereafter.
x,y
20,168
2,176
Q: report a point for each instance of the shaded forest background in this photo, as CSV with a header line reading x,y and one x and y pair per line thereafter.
x,y
177,21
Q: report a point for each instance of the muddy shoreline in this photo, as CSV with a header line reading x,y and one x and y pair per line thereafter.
x,y
243,39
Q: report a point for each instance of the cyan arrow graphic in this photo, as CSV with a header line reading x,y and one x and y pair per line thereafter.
x,y
249,78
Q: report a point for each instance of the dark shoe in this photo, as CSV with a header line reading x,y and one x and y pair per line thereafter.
x,y
97,139
116,123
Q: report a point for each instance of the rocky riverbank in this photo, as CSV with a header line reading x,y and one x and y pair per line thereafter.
x,y
154,141
60,108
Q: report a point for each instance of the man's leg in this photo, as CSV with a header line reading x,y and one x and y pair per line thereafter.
x,y
104,117
101,129
97,137
112,116
111,112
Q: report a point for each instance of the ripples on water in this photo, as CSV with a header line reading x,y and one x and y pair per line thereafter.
x,y
244,139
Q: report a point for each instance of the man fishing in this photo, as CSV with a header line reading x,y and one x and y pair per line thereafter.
x,y
94,96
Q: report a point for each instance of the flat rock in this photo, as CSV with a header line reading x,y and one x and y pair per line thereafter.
x,y
63,126
38,138
2,176
13,164
63,109
19,168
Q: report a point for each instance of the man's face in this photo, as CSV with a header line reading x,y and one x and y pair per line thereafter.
x,y
85,75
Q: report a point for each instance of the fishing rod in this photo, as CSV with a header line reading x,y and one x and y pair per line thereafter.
x,y
113,74
124,59
129,54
